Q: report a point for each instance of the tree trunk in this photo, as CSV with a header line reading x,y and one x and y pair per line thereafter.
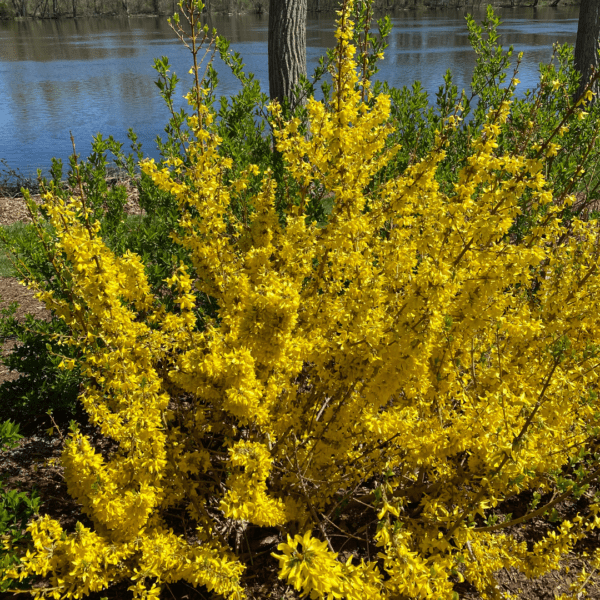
x,y
20,9
586,46
287,47
74,9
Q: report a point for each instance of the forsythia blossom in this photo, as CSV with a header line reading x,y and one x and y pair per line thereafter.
x,y
409,335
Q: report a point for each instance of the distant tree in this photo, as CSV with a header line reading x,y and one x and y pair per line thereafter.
x,y
20,8
586,46
287,46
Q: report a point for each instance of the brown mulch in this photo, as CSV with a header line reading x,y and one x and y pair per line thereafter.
x,y
11,290
34,464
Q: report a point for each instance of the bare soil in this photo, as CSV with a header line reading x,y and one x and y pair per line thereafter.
x,y
34,464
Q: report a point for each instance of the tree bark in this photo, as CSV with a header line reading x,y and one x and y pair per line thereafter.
x,y
287,47
20,9
586,46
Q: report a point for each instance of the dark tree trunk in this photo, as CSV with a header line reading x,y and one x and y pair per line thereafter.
x,y
20,9
287,47
586,46
74,9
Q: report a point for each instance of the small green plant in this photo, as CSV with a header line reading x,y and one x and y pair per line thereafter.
x,y
16,509
37,356
9,435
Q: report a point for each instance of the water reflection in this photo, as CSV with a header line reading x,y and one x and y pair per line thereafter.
x,y
95,75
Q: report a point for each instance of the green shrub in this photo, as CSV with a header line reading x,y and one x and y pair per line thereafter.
x,y
6,11
21,250
16,510
548,112
37,354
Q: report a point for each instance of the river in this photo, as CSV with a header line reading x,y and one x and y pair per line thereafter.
x,y
93,75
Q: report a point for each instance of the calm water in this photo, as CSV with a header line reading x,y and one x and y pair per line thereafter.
x,y
95,75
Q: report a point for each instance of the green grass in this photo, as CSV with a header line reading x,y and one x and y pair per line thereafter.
x,y
6,266
20,234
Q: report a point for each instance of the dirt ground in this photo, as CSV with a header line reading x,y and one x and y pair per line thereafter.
x,y
34,464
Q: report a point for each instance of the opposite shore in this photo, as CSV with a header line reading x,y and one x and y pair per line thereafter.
x,y
60,9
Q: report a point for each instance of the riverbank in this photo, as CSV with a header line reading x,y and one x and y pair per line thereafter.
x,y
60,9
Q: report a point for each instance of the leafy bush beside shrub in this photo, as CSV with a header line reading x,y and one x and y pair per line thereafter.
x,y
36,356
16,510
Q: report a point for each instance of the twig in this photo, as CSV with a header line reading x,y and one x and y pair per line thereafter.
x,y
49,413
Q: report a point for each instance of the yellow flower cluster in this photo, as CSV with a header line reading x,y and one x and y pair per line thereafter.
x,y
408,348
314,569
247,498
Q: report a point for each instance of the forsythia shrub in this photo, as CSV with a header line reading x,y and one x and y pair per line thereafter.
x,y
406,363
